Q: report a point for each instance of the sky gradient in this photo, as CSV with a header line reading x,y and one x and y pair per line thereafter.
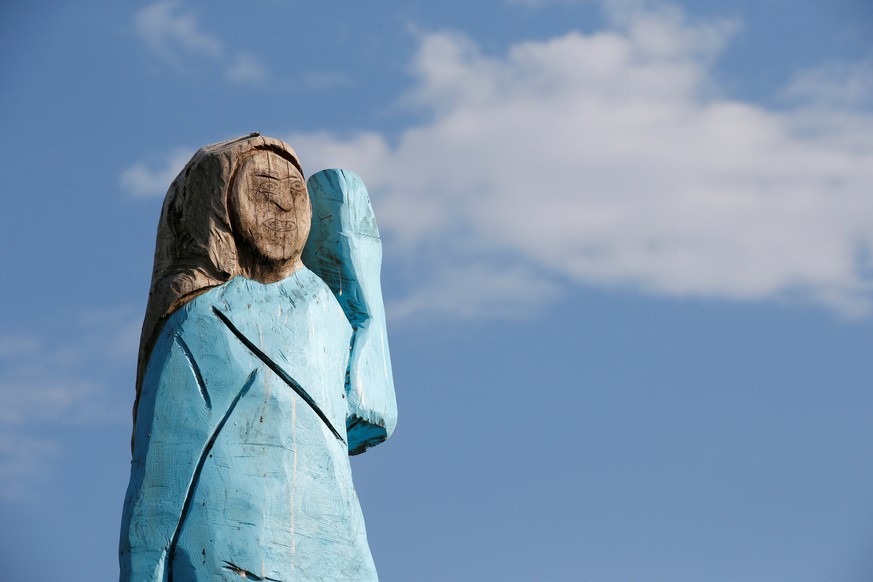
x,y
628,270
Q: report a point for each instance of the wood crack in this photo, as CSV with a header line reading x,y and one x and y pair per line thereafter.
x,y
245,573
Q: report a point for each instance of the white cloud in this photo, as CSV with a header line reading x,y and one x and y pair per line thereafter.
x,y
173,34
58,381
246,69
167,30
143,179
501,291
849,84
21,457
612,159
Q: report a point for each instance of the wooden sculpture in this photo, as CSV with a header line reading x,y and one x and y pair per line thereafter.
x,y
263,365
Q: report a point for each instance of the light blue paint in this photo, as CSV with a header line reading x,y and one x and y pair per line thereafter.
x,y
241,467
344,249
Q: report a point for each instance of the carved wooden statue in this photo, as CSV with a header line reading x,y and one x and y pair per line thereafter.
x,y
263,365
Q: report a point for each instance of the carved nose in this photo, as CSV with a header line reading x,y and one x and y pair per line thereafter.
x,y
284,200
286,197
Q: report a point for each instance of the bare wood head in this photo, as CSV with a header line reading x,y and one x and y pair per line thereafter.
x,y
270,216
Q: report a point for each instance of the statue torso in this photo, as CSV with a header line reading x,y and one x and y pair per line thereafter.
x,y
259,481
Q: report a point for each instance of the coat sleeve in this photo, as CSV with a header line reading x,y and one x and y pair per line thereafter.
x,y
345,250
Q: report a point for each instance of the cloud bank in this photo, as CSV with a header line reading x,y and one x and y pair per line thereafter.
x,y
174,35
153,179
613,159
167,31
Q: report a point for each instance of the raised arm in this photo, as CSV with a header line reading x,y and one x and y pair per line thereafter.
x,y
345,250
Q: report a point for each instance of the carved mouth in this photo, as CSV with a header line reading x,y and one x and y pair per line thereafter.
x,y
281,225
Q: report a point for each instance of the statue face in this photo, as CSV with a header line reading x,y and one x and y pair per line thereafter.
x,y
269,207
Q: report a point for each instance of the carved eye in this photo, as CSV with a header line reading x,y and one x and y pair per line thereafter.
x,y
297,186
263,187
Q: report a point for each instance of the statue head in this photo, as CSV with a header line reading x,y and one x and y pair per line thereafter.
x,y
269,215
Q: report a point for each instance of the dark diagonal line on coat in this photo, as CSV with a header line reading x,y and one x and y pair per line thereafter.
x,y
201,384
245,573
279,372
197,470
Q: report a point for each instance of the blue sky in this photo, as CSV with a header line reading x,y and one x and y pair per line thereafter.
x,y
628,270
